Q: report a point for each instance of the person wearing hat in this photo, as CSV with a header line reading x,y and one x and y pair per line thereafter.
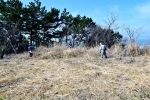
x,y
102,50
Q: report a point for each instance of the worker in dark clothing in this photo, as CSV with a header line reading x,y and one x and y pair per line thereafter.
x,y
30,50
2,53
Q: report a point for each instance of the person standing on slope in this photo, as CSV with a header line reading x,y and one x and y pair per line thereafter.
x,y
102,50
30,49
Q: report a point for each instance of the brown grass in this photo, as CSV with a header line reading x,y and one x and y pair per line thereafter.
x,y
74,74
145,50
116,51
133,49
75,52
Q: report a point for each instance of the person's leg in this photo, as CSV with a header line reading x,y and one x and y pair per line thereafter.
x,y
102,53
105,55
31,54
2,53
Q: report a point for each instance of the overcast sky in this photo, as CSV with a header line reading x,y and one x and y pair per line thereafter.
x,y
133,13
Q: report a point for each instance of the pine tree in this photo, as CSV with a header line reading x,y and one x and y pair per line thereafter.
x,y
33,13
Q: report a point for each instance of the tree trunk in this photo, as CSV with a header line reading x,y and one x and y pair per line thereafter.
x,y
31,37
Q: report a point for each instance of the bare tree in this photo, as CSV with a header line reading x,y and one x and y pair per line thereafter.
x,y
111,21
98,32
11,39
132,33
111,26
93,33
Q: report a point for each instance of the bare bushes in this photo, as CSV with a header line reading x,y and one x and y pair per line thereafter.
x,y
145,50
40,51
92,53
59,52
75,52
116,51
54,52
65,52
132,49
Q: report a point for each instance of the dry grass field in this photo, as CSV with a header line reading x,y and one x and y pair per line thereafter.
x,y
61,73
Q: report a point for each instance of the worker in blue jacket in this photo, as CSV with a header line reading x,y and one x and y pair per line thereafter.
x,y
30,50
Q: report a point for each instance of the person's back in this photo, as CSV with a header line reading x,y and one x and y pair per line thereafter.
x,y
103,47
30,49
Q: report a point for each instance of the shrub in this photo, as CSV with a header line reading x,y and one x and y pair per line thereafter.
x,y
116,51
75,52
132,49
145,50
54,52
40,51
92,53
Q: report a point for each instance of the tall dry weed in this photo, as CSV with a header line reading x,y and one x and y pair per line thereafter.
x,y
145,51
59,52
132,49
115,51
92,53
54,52
75,52
40,51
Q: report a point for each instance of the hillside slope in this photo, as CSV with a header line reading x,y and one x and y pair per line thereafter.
x,y
65,77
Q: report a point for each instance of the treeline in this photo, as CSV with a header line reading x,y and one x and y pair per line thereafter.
x,y
32,23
